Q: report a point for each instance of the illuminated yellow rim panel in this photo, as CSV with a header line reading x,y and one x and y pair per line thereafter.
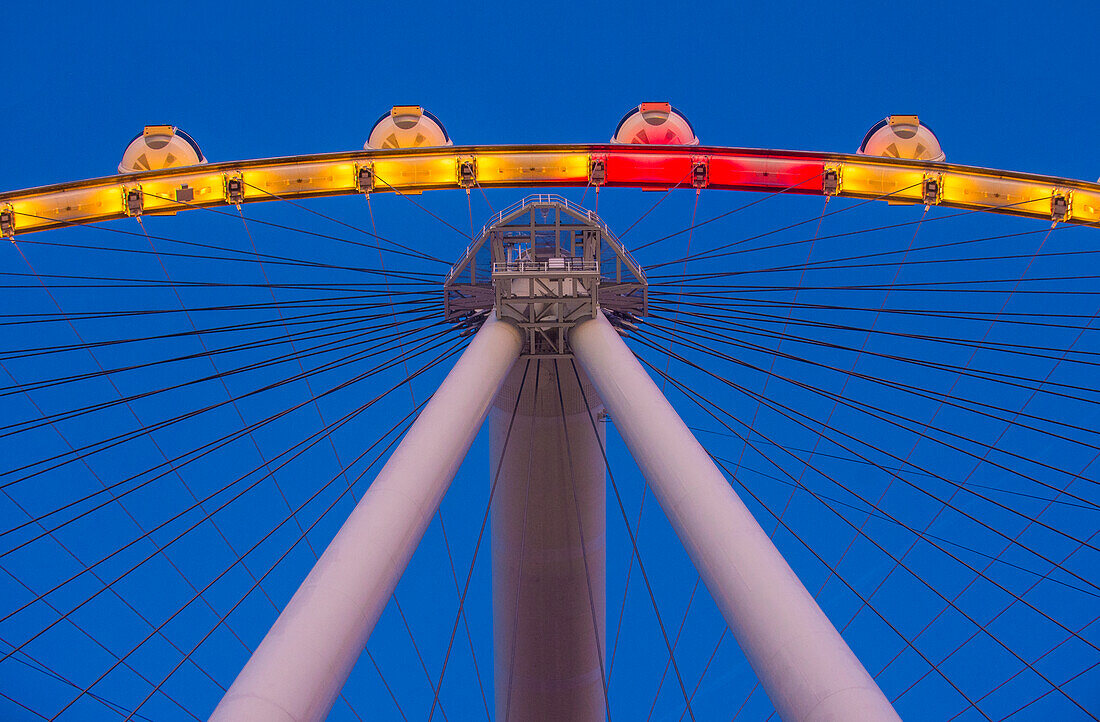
x,y
648,167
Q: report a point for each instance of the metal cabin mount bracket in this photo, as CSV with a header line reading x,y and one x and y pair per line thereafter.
x,y
546,264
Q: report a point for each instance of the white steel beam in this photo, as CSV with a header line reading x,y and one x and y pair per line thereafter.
x,y
549,549
801,660
298,670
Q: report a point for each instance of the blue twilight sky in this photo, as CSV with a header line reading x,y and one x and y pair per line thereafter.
x,y
1008,85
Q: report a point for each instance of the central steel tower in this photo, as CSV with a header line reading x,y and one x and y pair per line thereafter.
x,y
546,265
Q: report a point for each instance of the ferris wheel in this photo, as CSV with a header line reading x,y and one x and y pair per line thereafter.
x,y
868,417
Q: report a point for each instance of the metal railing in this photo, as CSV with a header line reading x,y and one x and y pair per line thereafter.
x,y
545,199
542,199
568,264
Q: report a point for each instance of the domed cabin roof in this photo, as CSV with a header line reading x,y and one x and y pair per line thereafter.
x,y
902,136
657,124
158,147
407,126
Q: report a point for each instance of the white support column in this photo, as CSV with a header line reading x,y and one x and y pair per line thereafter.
x,y
301,665
549,549
801,660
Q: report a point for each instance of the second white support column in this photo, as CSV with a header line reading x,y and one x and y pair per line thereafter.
x,y
801,660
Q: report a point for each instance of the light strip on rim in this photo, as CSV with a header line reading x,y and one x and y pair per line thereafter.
x,y
651,167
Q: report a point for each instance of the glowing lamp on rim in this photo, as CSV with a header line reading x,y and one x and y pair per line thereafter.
x,y
158,147
407,126
655,124
902,136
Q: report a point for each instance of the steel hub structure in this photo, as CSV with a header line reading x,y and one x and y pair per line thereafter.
x,y
546,248
548,266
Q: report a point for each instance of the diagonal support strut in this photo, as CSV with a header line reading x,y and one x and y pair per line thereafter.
x,y
298,670
802,662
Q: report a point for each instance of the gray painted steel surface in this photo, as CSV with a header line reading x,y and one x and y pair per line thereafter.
x,y
298,670
802,662
547,658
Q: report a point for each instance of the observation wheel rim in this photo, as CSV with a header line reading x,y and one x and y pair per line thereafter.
x,y
648,167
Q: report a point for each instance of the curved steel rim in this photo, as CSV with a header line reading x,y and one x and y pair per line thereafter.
x,y
538,166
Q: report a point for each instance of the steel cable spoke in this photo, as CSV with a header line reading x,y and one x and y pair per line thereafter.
x,y
645,487
256,584
865,600
794,415
896,420
634,545
313,440
790,413
343,361
477,545
580,532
